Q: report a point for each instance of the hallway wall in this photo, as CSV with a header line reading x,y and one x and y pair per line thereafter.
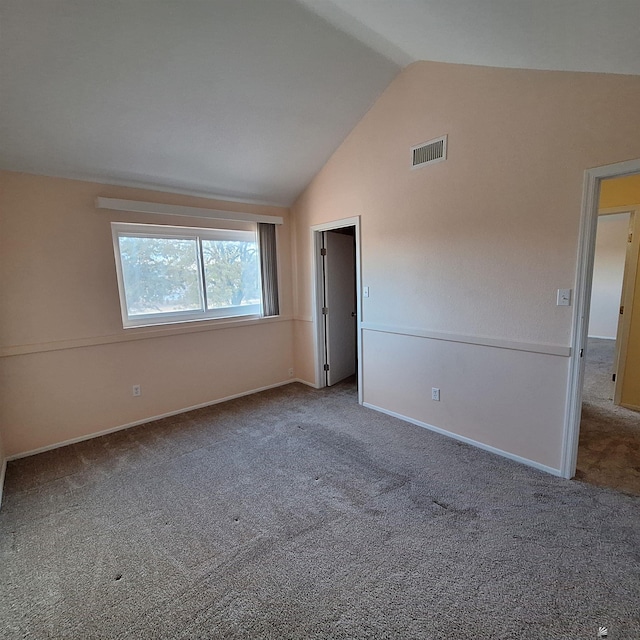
x,y
608,271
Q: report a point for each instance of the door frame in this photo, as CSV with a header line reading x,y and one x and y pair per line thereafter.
x,y
582,302
318,295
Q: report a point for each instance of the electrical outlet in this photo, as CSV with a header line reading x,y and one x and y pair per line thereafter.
x,y
435,394
291,372
137,391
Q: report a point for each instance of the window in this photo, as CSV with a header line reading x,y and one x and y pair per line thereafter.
x,y
179,274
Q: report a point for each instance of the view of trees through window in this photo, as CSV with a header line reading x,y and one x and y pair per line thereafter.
x,y
160,274
164,274
231,273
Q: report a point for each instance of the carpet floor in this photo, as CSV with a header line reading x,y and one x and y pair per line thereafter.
x,y
609,445
296,513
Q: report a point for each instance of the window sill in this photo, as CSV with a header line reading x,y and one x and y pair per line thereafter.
x,y
156,323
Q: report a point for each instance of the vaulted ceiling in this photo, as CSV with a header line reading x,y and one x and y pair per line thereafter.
x,y
565,35
247,99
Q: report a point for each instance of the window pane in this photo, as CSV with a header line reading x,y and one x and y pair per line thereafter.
x,y
231,273
160,275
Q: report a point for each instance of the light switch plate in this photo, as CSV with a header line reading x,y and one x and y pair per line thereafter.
x,y
365,292
564,297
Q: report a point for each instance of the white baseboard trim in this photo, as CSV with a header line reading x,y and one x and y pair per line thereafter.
x,y
121,427
3,472
313,385
602,337
475,443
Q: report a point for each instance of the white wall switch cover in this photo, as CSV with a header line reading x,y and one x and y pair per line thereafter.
x,y
564,297
365,292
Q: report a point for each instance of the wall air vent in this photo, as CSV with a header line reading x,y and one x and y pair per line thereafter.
x,y
429,152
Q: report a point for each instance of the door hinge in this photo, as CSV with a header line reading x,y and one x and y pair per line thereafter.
x,y
613,377
622,310
325,311
323,252
326,367
630,237
581,352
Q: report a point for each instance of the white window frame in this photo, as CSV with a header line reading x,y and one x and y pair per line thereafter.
x,y
119,229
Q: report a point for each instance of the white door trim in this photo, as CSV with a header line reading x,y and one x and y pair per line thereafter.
x,y
316,270
584,276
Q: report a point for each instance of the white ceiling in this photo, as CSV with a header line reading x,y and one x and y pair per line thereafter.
x,y
567,35
247,99
242,98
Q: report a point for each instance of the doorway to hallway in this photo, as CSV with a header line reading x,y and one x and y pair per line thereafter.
x,y
337,301
603,428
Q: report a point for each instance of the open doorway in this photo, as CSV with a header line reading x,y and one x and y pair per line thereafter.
x,y
609,444
337,303
605,398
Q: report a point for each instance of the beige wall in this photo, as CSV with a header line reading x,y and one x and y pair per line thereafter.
x,y
67,364
469,253
608,271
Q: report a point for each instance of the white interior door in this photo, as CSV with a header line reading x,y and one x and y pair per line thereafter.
x,y
339,266
626,305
